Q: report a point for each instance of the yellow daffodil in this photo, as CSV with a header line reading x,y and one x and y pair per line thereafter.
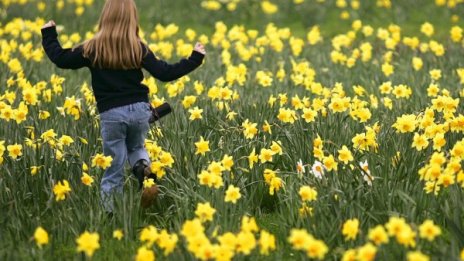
x,y
88,242
232,194
61,189
41,237
350,229
202,146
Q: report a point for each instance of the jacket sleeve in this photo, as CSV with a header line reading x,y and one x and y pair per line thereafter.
x,y
63,58
166,72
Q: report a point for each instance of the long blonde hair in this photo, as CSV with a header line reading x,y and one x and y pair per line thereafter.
x,y
117,44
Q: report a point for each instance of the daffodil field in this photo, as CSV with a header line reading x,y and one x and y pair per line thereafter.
x,y
314,130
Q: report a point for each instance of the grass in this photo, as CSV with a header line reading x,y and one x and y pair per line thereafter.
x,y
28,200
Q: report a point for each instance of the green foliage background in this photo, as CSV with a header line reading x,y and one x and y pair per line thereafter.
x,y
27,201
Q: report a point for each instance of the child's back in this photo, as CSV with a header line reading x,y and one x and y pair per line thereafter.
x,y
117,87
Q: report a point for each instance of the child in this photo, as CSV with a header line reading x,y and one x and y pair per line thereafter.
x,y
115,57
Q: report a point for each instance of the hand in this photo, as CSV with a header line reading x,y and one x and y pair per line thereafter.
x,y
49,24
199,48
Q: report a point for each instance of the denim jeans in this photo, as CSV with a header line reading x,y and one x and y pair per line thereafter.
x,y
123,130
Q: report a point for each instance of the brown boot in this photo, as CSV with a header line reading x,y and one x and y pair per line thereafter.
x,y
142,171
148,196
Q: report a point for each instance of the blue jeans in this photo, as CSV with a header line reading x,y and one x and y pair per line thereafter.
x,y
123,130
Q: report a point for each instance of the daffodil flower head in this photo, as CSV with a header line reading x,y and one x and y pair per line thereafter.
x,y
148,183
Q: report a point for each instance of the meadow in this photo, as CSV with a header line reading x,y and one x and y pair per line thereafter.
x,y
314,129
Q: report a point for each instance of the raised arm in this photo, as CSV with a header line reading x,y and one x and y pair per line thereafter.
x,y
63,58
165,72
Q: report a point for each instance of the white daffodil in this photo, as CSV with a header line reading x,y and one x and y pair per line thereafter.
x,y
318,169
366,172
